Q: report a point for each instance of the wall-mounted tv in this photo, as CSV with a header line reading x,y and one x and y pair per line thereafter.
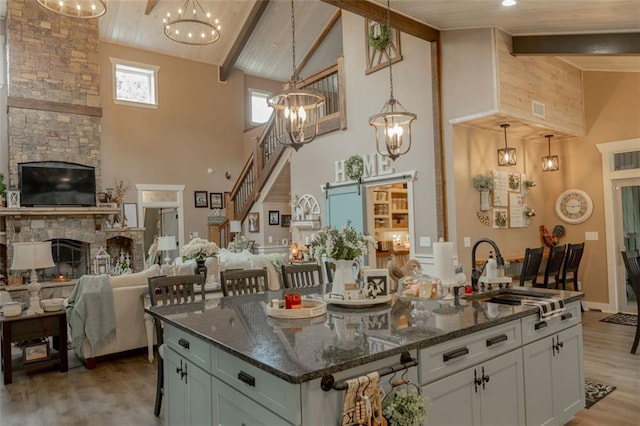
x,y
56,183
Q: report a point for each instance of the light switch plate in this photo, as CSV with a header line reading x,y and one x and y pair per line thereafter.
x,y
425,241
270,239
467,241
591,236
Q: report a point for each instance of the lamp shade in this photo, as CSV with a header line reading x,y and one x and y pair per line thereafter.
x,y
167,242
236,226
32,255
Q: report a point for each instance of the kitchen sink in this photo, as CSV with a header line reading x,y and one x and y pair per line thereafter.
x,y
516,298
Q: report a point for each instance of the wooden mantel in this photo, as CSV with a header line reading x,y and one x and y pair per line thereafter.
x,y
96,212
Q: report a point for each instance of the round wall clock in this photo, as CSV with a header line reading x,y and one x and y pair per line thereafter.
x,y
574,206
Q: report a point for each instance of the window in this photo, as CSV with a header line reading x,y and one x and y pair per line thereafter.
x,y
260,111
134,83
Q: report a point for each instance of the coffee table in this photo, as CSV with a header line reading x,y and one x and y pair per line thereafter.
x,y
24,327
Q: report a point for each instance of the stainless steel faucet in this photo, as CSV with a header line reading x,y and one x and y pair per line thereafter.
x,y
475,272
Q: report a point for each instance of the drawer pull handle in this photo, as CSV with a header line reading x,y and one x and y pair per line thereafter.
x,y
250,380
497,339
184,343
566,316
455,354
539,325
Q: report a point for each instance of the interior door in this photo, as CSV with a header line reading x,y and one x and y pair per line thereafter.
x,y
169,226
346,203
627,212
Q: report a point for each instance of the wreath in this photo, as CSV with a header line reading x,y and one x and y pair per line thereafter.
x,y
354,167
380,41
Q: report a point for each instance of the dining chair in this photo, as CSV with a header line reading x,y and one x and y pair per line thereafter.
x,y
330,268
632,266
570,266
235,282
301,276
554,266
531,265
175,290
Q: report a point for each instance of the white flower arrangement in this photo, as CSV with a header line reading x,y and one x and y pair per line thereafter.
x,y
199,249
529,212
341,244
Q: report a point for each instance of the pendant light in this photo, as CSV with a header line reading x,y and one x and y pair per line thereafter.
x,y
506,155
297,110
550,163
393,123
83,9
192,25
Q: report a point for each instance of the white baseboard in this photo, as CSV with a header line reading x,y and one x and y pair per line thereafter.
x,y
596,306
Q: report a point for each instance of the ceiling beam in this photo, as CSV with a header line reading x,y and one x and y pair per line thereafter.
x,y
578,44
150,5
243,37
378,13
318,41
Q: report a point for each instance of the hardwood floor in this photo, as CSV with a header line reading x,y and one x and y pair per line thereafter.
x,y
121,391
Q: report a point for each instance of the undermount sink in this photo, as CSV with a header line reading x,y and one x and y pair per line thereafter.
x,y
516,298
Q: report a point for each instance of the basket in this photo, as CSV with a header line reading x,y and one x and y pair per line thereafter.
x,y
310,308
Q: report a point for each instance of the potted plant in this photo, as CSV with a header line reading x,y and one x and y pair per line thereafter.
x,y
484,183
527,183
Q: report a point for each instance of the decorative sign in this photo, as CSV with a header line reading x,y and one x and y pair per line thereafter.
x,y
516,210
501,189
374,165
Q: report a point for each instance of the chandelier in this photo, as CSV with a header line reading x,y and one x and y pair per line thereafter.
x,y
393,123
506,155
192,25
550,163
297,110
84,9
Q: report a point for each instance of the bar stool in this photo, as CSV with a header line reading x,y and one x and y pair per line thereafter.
x,y
531,265
554,266
570,267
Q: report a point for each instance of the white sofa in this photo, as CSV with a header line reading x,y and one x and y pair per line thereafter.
x,y
128,299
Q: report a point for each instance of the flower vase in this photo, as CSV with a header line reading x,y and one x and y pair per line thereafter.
x,y
200,268
344,274
484,201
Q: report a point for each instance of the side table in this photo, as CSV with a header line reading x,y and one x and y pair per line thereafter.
x,y
25,327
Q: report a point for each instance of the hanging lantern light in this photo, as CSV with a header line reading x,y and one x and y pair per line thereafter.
x,y
506,155
393,123
550,163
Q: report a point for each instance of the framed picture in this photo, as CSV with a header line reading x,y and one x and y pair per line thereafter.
x,y
286,220
215,200
200,199
274,217
250,245
254,222
34,352
130,214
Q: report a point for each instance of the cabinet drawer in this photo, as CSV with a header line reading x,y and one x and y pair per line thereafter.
x,y
277,395
534,329
192,348
231,407
452,356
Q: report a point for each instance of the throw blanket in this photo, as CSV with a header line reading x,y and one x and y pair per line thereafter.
x,y
549,308
91,314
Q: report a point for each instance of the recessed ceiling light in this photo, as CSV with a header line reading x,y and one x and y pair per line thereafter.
x,y
509,3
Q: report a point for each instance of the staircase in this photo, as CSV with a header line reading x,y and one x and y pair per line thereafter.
x,y
267,152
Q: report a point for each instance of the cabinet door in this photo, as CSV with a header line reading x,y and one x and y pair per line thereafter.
x,y
187,391
540,396
502,395
454,400
230,407
568,375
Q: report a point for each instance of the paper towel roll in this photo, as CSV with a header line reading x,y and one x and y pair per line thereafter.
x,y
443,262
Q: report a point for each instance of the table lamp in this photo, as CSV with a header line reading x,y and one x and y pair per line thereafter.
x,y
32,256
235,227
167,243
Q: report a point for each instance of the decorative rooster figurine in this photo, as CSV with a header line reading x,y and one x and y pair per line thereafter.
x,y
551,239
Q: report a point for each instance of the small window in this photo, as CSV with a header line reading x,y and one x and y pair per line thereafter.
x,y
134,83
260,111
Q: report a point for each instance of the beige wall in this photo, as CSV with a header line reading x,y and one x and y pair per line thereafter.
x,y
612,112
198,125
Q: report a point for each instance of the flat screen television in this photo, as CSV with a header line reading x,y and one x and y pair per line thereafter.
x,y
54,183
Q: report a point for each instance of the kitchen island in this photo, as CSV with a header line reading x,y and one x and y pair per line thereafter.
x,y
227,362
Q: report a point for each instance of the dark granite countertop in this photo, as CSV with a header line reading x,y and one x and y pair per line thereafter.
x,y
299,350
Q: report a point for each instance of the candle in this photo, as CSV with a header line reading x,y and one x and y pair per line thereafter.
x,y
293,301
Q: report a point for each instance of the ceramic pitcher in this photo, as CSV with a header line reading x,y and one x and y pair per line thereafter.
x,y
347,271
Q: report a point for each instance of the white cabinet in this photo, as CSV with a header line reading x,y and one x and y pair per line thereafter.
x,y
554,381
489,393
187,391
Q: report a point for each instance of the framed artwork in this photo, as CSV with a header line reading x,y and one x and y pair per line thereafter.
x,y
200,199
34,352
286,220
375,33
254,222
130,214
274,217
215,200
